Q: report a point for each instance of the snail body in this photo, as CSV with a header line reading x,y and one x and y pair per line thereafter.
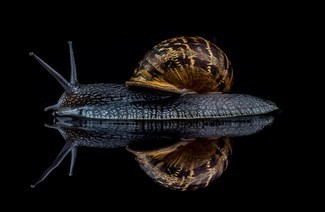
x,y
179,146
189,76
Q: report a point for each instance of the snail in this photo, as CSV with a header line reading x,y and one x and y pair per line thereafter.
x,y
201,145
180,78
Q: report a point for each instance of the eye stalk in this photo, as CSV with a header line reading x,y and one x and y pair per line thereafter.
x,y
67,86
73,78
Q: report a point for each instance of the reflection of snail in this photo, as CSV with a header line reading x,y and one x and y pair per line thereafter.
x,y
183,65
187,165
182,137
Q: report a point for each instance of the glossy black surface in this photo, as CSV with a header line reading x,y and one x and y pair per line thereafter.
x,y
179,154
265,163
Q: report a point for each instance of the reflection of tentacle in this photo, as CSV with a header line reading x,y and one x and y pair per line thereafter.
x,y
186,165
73,159
65,150
178,135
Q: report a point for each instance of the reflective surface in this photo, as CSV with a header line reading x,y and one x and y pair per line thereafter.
x,y
264,163
179,155
275,167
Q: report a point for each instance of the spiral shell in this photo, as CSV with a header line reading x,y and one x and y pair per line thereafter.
x,y
184,64
186,165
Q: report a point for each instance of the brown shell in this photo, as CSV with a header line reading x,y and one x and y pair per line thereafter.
x,y
184,64
187,165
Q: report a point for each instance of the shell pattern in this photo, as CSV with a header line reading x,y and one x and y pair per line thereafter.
x,y
184,64
187,165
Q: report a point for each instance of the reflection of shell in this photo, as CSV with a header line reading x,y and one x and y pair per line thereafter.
x,y
184,64
187,165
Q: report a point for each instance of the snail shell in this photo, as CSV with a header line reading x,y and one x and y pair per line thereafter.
x,y
184,64
186,165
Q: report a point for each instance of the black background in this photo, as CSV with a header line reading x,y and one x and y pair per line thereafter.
x,y
269,59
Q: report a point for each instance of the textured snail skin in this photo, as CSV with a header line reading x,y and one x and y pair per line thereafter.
x,y
182,68
115,134
113,101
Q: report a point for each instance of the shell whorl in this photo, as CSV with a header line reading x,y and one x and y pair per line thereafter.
x,y
186,165
184,64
